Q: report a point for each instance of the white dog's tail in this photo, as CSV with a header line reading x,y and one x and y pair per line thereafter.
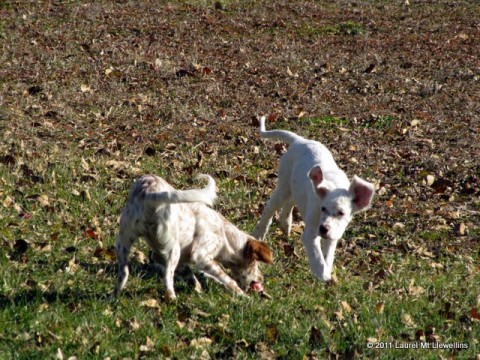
x,y
287,136
206,195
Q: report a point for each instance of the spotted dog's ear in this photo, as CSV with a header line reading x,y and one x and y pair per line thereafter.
x,y
257,250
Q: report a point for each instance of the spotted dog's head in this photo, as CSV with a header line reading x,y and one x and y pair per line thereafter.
x,y
247,273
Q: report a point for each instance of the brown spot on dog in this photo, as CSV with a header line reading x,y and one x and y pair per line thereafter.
x,y
257,250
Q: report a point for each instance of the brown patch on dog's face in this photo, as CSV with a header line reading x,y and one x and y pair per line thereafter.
x,y
257,250
248,274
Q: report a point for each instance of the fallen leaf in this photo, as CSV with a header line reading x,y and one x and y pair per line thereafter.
x,y
339,314
264,352
289,250
107,254
133,324
272,333
414,290
420,335
43,200
59,354
201,342
474,314
460,229
370,69
379,307
148,346
20,246
72,266
139,257
90,234
346,307
150,303
430,180
85,88
407,320
316,337
7,201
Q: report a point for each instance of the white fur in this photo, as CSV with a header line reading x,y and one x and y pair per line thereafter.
x,y
182,230
309,178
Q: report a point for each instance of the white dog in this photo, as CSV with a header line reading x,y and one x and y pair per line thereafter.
x,y
309,178
182,230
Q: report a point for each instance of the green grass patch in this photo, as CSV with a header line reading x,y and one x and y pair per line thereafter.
x,y
327,120
350,27
380,122
84,112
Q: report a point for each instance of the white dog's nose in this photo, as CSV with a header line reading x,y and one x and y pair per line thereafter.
x,y
324,229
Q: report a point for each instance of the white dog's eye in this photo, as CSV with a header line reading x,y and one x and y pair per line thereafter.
x,y
324,209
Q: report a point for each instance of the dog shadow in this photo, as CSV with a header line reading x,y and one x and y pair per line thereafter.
x,y
72,296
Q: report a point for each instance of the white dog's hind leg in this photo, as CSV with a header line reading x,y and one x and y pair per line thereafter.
x,y
285,218
275,203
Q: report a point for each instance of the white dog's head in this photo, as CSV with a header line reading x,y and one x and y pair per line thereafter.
x,y
338,205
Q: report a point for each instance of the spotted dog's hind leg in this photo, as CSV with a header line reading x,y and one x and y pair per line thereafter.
x,y
122,248
170,265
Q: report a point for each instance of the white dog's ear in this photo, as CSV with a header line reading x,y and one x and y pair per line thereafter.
x,y
316,177
362,194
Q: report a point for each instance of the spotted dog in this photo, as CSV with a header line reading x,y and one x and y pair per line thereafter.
x,y
182,230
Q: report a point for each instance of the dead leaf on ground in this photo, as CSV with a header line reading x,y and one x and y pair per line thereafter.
x,y
474,314
133,324
316,337
407,320
415,290
201,342
379,307
272,333
107,254
7,201
264,352
346,307
43,200
150,303
148,346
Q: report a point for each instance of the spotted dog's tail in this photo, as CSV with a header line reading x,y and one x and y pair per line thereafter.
x,y
206,195
287,136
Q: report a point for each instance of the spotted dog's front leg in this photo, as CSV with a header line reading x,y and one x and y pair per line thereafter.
x,y
211,268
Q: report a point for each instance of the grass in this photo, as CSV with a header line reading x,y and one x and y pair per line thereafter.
x,y
54,291
69,154
349,27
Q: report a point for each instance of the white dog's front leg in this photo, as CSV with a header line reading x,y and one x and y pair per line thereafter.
x,y
328,250
311,242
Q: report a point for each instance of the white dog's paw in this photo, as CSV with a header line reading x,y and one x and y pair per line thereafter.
x,y
326,277
329,279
